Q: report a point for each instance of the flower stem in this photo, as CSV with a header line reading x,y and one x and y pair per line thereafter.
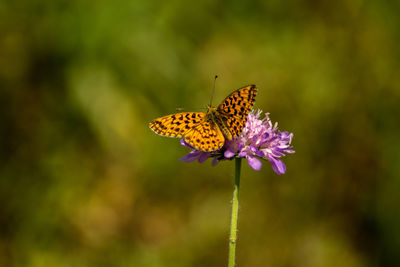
x,y
234,214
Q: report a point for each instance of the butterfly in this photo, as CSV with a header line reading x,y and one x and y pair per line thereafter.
x,y
208,131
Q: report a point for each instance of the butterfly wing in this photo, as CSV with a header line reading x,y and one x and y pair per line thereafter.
x,y
178,124
206,136
200,132
235,108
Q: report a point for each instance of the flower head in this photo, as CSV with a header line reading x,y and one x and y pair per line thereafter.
x,y
260,139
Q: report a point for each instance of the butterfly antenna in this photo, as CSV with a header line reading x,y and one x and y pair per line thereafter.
x,y
212,95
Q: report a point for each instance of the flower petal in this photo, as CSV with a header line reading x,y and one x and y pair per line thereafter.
x,y
214,161
259,153
229,153
254,162
188,158
277,165
203,156
192,156
242,153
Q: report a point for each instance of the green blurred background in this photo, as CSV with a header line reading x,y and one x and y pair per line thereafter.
x,y
84,182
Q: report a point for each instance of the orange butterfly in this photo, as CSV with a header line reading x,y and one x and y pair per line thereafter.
x,y
208,131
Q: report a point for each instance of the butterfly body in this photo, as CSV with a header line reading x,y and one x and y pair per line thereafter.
x,y
209,131
218,119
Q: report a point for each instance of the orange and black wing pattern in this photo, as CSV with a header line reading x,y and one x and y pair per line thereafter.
x,y
198,131
178,124
235,108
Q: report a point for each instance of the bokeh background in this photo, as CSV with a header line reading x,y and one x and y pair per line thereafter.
x,y
84,182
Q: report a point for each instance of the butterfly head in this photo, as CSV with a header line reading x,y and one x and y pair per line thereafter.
x,y
210,109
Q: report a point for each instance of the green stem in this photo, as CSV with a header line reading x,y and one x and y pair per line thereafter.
x,y
234,215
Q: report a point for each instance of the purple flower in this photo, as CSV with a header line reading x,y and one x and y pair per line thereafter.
x,y
259,140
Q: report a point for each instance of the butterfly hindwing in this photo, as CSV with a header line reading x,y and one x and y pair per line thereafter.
x,y
206,136
178,124
235,108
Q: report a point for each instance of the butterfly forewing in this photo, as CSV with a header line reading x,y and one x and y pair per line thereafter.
x,y
235,108
178,124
